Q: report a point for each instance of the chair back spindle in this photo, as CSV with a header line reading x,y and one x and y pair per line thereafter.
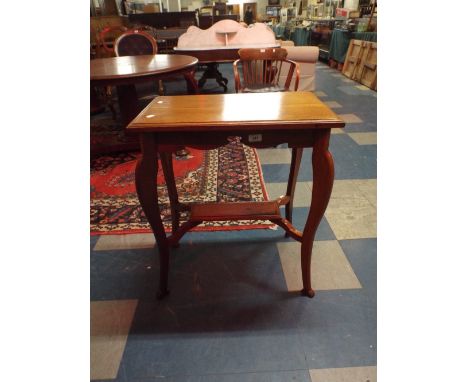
x,y
261,70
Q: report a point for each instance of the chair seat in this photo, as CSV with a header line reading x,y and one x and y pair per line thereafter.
x,y
261,88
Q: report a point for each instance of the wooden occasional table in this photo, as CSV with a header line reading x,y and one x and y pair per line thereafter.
x,y
211,57
125,72
260,120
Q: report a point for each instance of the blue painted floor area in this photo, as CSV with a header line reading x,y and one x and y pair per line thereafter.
x,y
230,316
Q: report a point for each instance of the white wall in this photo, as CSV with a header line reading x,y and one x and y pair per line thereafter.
x,y
173,5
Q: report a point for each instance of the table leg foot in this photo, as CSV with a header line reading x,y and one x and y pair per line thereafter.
x,y
308,293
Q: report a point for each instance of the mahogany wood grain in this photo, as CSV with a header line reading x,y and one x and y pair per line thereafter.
x,y
246,111
115,68
293,171
289,228
168,170
323,173
124,72
145,174
236,211
300,119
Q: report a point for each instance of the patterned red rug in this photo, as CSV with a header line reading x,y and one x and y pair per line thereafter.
x,y
230,173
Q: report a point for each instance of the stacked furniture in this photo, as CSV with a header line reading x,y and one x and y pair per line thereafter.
x,y
361,63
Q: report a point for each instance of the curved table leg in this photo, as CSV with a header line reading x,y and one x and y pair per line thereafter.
x,y
293,171
323,174
145,180
168,170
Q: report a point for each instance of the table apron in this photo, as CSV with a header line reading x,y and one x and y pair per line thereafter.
x,y
252,138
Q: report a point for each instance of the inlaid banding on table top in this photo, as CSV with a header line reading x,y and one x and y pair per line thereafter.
x,y
131,66
301,110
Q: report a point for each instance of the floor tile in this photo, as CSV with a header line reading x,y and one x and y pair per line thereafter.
x,y
350,211
345,374
338,131
347,80
123,274
150,354
351,90
365,127
351,162
364,138
324,232
337,75
337,327
302,193
350,118
362,87
368,187
110,324
133,241
330,267
362,255
320,93
278,376
333,104
274,156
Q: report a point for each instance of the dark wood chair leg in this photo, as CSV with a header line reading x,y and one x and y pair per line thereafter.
x,y
323,174
168,170
145,180
293,171
192,84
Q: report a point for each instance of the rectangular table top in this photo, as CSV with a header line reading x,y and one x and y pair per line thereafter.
x,y
224,112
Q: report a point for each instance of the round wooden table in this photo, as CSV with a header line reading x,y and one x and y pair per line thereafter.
x,y
125,72
212,56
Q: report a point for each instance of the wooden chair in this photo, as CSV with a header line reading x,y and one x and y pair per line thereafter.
x,y
105,48
137,42
134,43
106,38
261,71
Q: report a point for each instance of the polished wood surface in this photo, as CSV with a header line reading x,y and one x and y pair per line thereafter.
x,y
294,110
260,120
125,72
138,66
